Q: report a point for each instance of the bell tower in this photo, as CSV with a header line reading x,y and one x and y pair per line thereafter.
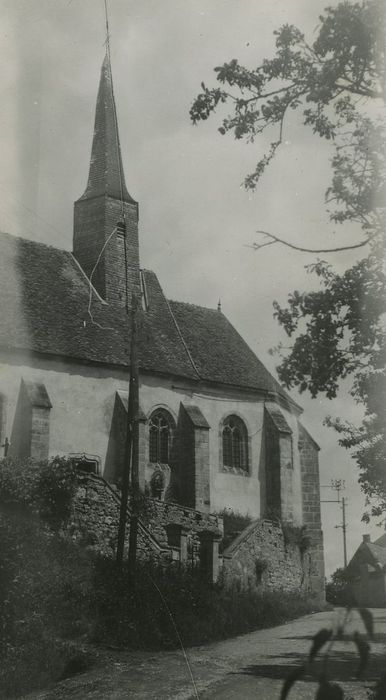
x,y
105,239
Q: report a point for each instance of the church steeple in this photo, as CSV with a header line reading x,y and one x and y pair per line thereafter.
x,y
106,206
106,174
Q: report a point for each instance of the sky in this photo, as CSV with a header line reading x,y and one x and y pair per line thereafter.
x,y
196,219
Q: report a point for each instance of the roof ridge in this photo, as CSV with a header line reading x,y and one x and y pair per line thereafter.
x,y
196,306
39,243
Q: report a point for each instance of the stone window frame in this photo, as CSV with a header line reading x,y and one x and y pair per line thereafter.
x,y
165,410
247,472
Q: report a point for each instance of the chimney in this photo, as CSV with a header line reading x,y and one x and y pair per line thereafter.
x,y
366,538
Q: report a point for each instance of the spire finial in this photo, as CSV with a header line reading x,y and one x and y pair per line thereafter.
x,y
107,42
219,305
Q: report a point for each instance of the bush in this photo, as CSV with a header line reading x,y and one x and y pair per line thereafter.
x,y
144,615
339,589
46,489
234,524
45,587
296,536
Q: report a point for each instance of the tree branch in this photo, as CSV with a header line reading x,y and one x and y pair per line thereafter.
x,y
275,239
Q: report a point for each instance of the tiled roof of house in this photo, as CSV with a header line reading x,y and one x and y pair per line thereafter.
x,y
378,553
368,553
45,297
381,541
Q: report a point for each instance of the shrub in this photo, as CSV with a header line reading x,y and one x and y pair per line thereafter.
x,y
296,536
339,589
234,524
46,489
144,615
45,588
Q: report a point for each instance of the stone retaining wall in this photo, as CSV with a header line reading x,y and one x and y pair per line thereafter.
x,y
261,556
96,516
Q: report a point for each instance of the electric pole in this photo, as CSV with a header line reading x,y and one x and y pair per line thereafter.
x,y
134,422
131,452
338,485
344,528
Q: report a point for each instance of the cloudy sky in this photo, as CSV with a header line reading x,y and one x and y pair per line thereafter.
x,y
196,220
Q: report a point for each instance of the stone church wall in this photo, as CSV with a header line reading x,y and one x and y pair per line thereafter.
x,y
81,421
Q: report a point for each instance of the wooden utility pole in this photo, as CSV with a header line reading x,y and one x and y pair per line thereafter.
x,y
344,528
134,396
131,452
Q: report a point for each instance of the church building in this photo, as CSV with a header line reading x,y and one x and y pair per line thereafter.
x,y
217,431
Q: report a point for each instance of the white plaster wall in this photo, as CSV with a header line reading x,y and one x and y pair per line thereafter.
x,y
83,399
241,493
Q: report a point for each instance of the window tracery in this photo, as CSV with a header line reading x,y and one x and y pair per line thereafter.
x,y
160,436
234,444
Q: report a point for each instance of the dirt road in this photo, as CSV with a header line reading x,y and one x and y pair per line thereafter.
x,y
250,666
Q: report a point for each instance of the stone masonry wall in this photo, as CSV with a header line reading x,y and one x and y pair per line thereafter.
x,y
260,556
309,465
96,516
94,220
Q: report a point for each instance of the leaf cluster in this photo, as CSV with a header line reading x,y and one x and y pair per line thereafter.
x,y
325,639
337,330
319,80
296,536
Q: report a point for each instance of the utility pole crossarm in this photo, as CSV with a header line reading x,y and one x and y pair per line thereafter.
x,y
338,485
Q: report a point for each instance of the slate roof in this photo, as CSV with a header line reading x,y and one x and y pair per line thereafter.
x,y
106,174
44,307
369,553
196,416
378,553
381,541
219,352
278,419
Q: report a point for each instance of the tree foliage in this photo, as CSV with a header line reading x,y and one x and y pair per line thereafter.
x,y
337,85
339,589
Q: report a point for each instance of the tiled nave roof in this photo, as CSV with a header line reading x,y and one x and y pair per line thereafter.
x,y
44,307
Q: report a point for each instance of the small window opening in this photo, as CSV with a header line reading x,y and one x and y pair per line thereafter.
x,y
121,228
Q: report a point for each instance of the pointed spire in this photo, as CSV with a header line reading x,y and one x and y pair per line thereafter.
x,y
106,174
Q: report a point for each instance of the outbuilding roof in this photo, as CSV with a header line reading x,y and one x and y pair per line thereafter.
x,y
48,306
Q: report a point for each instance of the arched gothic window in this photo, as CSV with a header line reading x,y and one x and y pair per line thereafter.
x,y
160,435
234,444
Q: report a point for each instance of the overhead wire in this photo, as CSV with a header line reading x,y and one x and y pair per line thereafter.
x,y
120,176
91,288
